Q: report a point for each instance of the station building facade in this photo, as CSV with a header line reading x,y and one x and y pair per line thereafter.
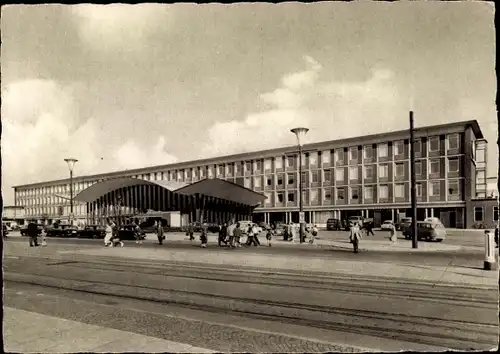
x,y
368,176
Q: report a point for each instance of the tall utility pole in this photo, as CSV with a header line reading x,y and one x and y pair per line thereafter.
x,y
71,165
300,133
414,240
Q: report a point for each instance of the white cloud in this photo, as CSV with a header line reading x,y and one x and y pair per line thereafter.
x,y
40,130
330,109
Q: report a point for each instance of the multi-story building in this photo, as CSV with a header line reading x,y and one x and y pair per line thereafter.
x,y
367,176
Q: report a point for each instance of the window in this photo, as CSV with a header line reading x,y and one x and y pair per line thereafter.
x,y
202,172
291,197
267,165
279,180
268,198
435,188
495,213
257,182
339,156
434,143
195,173
279,162
313,193
340,194
383,171
367,152
453,141
400,170
434,166
383,150
353,153
290,161
326,157
291,178
383,192
220,168
248,167
453,187
314,177
247,182
369,192
399,190
313,158
327,176
258,165
188,173
210,172
279,197
353,173
417,146
368,171
399,147
303,179
453,165
269,181
478,214
229,169
418,168
419,189
354,193
339,175
328,195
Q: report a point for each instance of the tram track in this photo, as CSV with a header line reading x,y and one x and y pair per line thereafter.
x,y
249,300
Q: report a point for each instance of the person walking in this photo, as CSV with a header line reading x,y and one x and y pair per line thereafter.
x,y
314,233
115,240
190,231
33,234
251,236
237,235
269,236
355,236
223,235
369,228
394,234
137,232
204,236
160,233
109,233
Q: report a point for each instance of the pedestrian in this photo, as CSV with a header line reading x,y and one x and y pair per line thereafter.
x,y
314,233
237,232
137,232
190,231
160,232
251,236
115,239
394,234
269,236
223,235
109,233
44,237
203,236
256,231
33,234
355,236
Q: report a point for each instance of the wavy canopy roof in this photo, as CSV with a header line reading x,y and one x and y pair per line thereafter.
x,y
217,188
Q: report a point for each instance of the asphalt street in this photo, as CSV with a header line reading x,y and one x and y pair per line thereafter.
x,y
472,258
231,309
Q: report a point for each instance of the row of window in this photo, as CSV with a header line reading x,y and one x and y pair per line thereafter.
x,y
479,214
368,192
62,188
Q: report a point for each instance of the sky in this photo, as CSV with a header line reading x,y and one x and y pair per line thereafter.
x,y
130,86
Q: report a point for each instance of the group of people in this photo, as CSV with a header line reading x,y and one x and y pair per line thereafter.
x,y
33,232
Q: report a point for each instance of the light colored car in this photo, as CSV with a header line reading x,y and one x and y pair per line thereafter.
x,y
387,225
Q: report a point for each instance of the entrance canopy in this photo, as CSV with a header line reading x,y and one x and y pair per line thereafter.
x,y
208,199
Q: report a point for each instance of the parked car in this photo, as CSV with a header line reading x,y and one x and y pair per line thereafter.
x,y
92,231
428,231
333,224
387,225
211,227
127,232
352,220
280,228
264,225
24,229
62,230
403,223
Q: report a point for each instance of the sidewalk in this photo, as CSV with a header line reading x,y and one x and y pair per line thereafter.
x,y
366,243
281,263
31,332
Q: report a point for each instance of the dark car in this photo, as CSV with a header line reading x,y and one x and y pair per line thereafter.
x,y
92,231
333,224
211,227
127,232
264,225
428,231
62,230
403,224
280,228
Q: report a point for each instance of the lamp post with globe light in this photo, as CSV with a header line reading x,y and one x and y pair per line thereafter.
x,y
300,134
71,165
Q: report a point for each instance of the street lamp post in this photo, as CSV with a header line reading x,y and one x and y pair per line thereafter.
x,y
300,133
71,165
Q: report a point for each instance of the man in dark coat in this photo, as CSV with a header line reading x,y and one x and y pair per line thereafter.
x,y
33,234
